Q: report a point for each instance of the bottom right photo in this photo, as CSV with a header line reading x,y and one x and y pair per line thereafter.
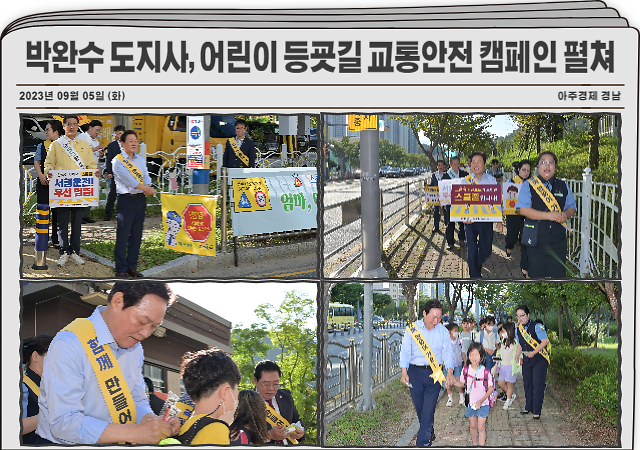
x,y
453,364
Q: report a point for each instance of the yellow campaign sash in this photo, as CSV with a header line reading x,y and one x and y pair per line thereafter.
x,y
437,375
114,387
546,196
32,384
236,149
533,343
471,179
276,420
186,411
131,168
517,179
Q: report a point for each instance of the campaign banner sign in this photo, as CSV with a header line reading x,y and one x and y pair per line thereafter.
x,y
73,188
477,202
510,192
189,223
195,142
273,200
431,194
444,190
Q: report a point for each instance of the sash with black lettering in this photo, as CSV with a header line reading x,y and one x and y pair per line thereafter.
x,y
186,411
533,343
276,420
112,383
470,179
437,375
67,147
236,149
546,196
133,170
452,174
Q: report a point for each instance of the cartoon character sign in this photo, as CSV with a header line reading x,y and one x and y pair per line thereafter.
x,y
174,222
512,196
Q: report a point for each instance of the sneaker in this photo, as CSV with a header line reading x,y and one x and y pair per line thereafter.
x,y
506,405
513,397
503,397
76,259
461,402
63,259
450,402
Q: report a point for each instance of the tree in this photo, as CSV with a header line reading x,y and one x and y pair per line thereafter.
x,y
249,348
391,154
594,137
409,291
288,331
380,301
349,293
348,150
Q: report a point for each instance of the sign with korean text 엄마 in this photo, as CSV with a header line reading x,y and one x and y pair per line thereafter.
x,y
189,223
510,192
477,202
273,200
444,190
195,142
73,188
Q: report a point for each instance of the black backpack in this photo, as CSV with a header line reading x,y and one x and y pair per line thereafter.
x,y
202,422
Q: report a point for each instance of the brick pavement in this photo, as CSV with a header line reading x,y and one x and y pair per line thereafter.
x,y
419,253
504,428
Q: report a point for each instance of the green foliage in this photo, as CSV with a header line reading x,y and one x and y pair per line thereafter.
x,y
349,293
352,428
572,365
600,392
390,310
297,343
248,349
380,301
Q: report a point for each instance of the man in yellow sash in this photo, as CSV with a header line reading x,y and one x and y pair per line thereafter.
x,y
532,342
133,185
239,151
92,391
426,345
280,406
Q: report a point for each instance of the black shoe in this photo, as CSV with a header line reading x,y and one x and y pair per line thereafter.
x,y
524,413
134,273
107,218
433,438
503,398
536,417
121,275
89,220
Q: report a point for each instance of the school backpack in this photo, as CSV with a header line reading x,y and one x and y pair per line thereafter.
x,y
485,382
202,422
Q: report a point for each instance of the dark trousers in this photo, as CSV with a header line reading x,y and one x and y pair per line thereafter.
x,y
451,227
70,245
479,242
515,225
548,260
425,396
42,195
436,218
130,216
534,376
111,200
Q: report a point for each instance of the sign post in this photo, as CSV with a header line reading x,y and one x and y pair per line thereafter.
x,y
196,154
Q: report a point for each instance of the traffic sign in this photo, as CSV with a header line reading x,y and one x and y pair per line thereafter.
x,y
198,222
363,122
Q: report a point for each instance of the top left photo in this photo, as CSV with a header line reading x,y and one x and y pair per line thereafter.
x,y
131,196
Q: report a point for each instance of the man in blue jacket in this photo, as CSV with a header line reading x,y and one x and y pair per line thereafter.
x,y
239,151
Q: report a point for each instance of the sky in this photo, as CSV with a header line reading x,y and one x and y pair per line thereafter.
x,y
236,302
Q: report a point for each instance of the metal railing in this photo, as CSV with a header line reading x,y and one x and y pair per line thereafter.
x,y
391,217
344,373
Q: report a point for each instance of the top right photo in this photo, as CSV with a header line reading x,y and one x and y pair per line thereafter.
x,y
492,196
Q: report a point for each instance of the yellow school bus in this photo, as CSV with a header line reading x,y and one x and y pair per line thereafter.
x,y
342,315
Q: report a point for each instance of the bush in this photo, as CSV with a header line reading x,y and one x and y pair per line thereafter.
x,y
600,391
572,365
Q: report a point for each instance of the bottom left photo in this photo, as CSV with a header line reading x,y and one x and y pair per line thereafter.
x,y
218,363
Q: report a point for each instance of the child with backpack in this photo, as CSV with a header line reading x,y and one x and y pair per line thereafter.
x,y
478,383
509,367
458,357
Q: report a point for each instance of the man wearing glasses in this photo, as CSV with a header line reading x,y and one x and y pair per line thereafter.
x,y
266,378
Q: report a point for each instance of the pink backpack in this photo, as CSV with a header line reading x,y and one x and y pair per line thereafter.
x,y
485,382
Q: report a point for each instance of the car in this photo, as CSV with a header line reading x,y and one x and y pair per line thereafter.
x,y
356,173
313,137
384,170
378,321
394,172
409,172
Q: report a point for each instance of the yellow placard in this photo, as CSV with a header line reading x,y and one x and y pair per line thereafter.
x,y
250,194
189,223
363,122
431,194
477,213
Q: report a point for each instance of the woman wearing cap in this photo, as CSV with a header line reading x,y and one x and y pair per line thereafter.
x,y
547,203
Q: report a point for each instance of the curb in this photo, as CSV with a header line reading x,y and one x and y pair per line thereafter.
x,y
200,262
411,432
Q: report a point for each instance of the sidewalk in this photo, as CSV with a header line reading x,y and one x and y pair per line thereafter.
x,y
418,253
504,428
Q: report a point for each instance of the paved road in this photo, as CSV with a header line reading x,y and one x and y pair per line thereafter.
x,y
337,192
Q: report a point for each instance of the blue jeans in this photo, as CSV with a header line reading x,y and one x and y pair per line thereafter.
x,y
425,396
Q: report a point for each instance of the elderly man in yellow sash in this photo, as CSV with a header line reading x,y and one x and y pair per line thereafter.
x,y
239,151
133,185
92,390
426,344
283,419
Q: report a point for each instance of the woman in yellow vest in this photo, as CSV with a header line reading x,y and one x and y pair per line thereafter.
x,y
211,379
33,354
515,222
